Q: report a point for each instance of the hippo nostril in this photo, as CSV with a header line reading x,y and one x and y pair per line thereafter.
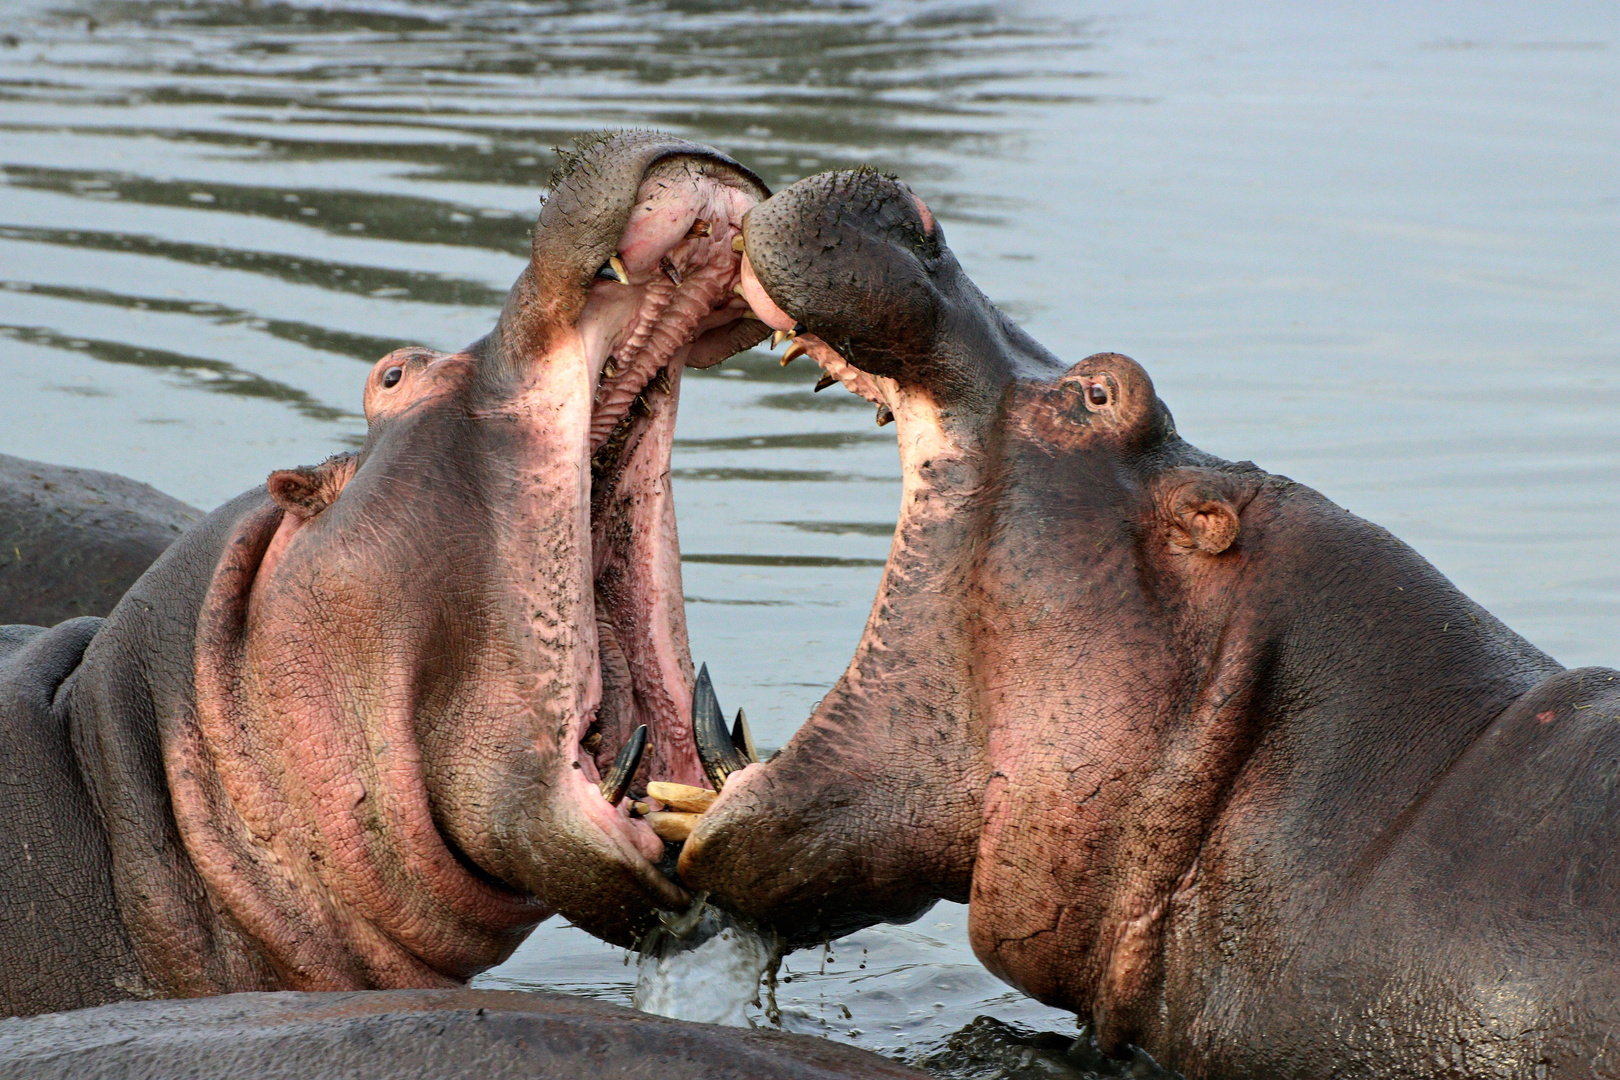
x,y
1098,394
391,377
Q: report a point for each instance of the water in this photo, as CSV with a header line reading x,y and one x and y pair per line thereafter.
x,y
1373,249
706,966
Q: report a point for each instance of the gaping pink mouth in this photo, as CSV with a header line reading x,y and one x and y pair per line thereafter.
x,y
665,301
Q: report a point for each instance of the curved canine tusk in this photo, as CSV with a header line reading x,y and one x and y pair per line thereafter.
x,y
714,746
617,781
743,739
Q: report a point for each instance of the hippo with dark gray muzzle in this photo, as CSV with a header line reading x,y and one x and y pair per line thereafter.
x,y
366,726
1233,774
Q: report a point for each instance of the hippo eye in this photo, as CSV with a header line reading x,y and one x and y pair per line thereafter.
x,y
1098,393
392,376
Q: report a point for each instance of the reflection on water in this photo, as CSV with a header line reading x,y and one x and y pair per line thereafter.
x,y
1376,255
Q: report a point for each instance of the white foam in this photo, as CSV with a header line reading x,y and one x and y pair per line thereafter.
x,y
712,975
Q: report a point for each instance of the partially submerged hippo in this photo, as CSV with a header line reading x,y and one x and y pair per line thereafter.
x,y
350,732
1232,773
415,1034
72,541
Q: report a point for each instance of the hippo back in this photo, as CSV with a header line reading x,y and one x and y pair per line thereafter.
x,y
72,541
424,1034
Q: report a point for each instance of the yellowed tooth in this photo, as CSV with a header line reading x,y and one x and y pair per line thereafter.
x,y
671,825
618,270
737,288
737,243
779,336
700,228
794,351
694,800
884,415
640,808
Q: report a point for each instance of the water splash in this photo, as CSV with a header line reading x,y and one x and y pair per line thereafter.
x,y
705,966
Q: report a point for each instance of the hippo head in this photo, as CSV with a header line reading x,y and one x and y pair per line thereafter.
x,y
1037,498
423,669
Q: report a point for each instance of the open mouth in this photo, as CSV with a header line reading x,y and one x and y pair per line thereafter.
x,y
667,299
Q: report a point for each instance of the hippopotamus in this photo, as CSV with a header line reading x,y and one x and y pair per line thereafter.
x,y
1231,773
366,725
72,541
419,1034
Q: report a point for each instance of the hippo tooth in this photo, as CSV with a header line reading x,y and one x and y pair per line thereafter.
x,y
660,381
617,781
743,739
669,271
824,382
672,825
700,228
613,270
692,800
779,336
738,289
716,751
737,242
884,415
794,351
611,368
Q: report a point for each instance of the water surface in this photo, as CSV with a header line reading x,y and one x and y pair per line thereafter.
x,y
1372,249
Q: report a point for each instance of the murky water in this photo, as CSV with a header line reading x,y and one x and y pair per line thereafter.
x,y
1376,251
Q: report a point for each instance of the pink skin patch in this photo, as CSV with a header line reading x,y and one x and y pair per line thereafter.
x,y
1547,717
926,215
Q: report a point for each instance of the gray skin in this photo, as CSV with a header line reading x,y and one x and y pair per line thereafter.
x,y
1238,777
332,739
72,541
411,1035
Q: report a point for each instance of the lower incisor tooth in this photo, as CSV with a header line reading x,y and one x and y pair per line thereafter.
x,y
682,796
671,825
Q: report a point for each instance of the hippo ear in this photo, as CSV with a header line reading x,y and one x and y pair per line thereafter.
x,y
1202,508
307,490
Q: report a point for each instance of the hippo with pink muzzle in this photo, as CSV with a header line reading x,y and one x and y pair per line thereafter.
x,y
368,725
1235,775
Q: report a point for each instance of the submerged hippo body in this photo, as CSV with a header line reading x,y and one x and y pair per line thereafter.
x,y
411,1035
1230,772
72,541
347,733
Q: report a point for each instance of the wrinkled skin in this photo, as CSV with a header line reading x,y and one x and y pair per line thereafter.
x,y
419,1034
346,732
72,541
1230,772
